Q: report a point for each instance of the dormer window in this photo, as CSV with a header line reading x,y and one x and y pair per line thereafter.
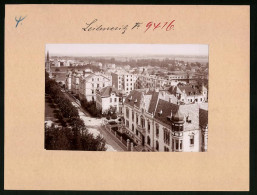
x,y
130,98
136,101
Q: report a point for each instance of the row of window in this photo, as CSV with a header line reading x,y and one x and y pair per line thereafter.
x,y
98,85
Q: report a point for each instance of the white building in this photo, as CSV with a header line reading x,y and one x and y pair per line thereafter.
x,y
123,80
89,84
110,98
158,125
75,76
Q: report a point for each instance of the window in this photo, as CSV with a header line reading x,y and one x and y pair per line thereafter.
x,y
148,140
92,85
110,100
137,132
127,112
92,79
132,127
132,116
103,84
192,140
97,85
176,144
136,119
181,145
166,149
92,91
142,122
157,146
157,131
115,99
127,123
148,126
166,136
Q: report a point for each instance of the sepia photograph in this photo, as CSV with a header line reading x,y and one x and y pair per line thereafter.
x,y
126,97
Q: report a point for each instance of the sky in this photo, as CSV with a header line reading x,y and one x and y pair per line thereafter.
x,y
127,49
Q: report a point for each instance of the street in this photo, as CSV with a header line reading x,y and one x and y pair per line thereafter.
x,y
94,126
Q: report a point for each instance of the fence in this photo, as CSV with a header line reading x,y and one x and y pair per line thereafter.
x,y
119,137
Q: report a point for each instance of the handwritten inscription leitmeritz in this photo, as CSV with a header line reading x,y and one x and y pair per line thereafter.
x,y
94,25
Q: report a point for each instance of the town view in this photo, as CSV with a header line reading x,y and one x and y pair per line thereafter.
x,y
126,97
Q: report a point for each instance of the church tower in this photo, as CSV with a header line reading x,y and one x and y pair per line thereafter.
x,y
47,64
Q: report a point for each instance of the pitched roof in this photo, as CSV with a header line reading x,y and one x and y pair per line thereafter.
x,y
106,91
134,98
164,110
188,89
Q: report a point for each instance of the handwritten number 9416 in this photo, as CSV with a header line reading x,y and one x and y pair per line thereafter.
x,y
166,26
19,20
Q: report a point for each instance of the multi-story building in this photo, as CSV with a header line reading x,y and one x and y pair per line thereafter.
x,y
158,125
123,80
75,75
110,98
89,84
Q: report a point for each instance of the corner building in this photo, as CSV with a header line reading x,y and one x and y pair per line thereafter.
x,y
158,125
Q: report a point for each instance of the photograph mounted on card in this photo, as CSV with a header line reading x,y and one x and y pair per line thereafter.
x,y
121,97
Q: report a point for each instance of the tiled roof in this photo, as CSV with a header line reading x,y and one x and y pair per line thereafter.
x,y
203,117
188,89
106,91
134,98
164,110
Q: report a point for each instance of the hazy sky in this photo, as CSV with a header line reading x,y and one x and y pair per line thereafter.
x,y
124,49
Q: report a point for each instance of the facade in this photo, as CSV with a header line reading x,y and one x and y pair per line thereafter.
x,y
159,125
75,81
190,93
110,98
89,84
123,80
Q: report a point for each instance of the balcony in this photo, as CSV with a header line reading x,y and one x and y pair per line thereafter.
x,y
141,129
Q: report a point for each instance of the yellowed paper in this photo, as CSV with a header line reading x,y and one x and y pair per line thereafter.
x,y
28,166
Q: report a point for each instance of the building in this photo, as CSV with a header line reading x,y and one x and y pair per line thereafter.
x,y
110,98
75,77
90,83
190,93
155,124
123,80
